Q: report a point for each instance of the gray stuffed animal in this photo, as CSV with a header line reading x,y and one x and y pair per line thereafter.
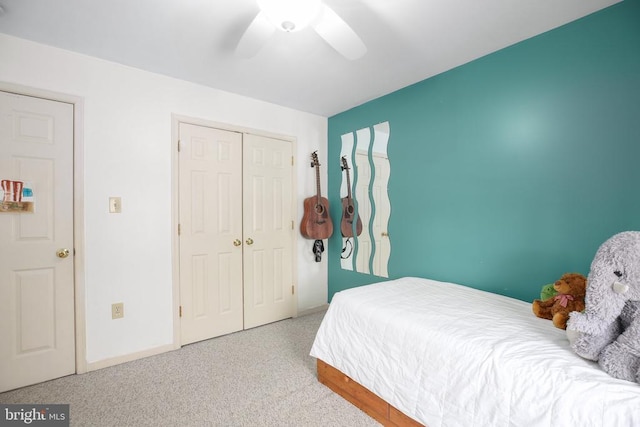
x,y
608,331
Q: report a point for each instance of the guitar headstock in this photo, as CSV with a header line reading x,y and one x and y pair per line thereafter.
x,y
314,159
345,165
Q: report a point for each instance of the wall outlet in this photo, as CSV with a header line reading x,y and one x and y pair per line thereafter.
x,y
117,310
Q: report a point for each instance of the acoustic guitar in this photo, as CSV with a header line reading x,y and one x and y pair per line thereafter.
x,y
348,209
316,222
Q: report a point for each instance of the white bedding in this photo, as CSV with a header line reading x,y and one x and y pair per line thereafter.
x,y
449,355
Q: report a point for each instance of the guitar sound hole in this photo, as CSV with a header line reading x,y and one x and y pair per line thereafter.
x,y
350,210
319,209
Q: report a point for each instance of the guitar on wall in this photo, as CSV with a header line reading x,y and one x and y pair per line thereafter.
x,y
316,222
348,209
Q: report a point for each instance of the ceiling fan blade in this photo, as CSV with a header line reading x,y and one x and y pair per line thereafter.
x,y
340,36
255,36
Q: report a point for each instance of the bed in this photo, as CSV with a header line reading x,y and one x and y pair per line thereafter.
x,y
416,351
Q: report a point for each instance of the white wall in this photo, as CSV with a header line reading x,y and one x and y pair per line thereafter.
x,y
127,153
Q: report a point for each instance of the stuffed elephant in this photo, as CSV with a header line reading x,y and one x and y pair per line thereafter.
x,y
608,331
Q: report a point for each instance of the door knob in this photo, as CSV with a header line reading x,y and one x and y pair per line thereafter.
x,y
237,242
249,241
385,234
63,253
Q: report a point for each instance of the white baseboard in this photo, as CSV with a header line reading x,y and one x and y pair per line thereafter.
x,y
317,309
105,363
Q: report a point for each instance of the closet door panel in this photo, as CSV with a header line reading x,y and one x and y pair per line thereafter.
x,y
210,212
268,230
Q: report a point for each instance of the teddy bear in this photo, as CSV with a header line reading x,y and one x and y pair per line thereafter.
x,y
571,289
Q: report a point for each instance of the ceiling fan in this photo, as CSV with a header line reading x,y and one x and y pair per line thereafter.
x,y
295,15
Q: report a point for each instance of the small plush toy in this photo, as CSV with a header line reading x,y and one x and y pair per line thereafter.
x,y
571,288
548,291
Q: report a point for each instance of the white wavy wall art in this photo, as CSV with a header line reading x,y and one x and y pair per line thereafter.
x,y
366,153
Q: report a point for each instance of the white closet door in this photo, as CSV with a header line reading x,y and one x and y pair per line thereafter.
x,y
37,324
268,230
210,175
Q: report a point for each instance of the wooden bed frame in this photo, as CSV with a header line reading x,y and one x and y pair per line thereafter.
x,y
362,398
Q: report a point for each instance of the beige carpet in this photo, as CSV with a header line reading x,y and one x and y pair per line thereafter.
x,y
260,377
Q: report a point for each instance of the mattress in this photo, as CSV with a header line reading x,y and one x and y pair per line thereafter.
x,y
450,355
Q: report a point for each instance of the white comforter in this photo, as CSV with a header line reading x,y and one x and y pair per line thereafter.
x,y
450,355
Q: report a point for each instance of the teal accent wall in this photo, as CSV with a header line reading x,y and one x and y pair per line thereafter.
x,y
510,170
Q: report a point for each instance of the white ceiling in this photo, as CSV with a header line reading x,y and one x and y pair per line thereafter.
x,y
194,40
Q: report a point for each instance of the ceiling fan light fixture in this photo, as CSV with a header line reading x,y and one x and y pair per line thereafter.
x,y
290,15
288,26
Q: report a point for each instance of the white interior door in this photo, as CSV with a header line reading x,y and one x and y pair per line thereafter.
x,y
268,230
210,176
37,326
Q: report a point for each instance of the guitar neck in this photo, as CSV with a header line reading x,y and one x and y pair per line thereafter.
x,y
345,166
318,183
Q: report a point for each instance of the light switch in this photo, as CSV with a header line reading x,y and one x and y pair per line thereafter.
x,y
115,205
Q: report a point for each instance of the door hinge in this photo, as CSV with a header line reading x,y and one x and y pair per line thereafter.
x,y
292,161
179,229
293,290
178,146
293,226
180,311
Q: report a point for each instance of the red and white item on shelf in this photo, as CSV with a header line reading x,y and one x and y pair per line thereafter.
x,y
12,190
